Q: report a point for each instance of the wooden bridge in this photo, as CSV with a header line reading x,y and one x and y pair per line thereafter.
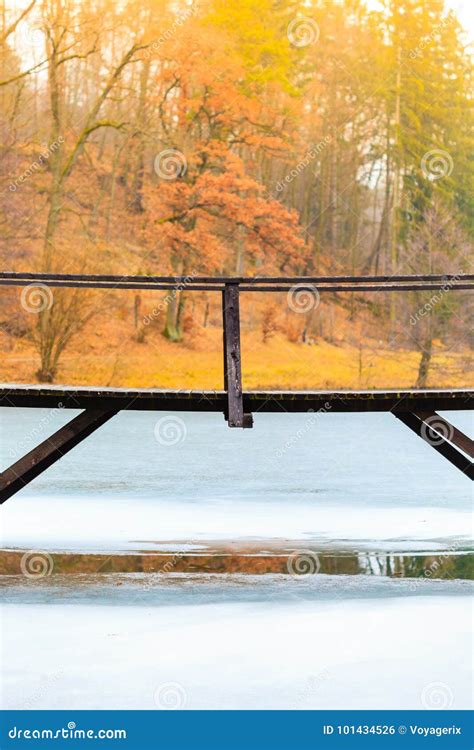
x,y
417,409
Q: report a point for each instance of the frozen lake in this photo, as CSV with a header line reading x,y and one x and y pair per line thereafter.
x,y
146,480
324,482
237,642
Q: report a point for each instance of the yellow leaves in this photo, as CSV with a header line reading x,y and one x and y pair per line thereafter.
x,y
255,30
277,363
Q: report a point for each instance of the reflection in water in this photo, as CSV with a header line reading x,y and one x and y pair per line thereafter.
x,y
298,562
441,565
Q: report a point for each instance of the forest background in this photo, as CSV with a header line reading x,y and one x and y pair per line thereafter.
x,y
216,137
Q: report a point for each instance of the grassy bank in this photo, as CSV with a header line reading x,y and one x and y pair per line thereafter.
x,y
110,355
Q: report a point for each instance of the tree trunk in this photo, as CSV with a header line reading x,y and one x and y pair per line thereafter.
x,y
425,361
170,330
136,197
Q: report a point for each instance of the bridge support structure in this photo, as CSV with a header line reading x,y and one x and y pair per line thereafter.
x,y
453,444
416,409
44,455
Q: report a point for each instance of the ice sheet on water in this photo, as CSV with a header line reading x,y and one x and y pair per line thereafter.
x,y
346,477
230,642
90,523
183,589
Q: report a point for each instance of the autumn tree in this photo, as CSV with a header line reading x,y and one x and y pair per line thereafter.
x,y
207,212
71,125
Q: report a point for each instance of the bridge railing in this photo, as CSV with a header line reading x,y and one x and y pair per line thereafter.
x,y
230,288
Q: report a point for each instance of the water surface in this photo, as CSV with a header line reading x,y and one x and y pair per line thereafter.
x,y
162,481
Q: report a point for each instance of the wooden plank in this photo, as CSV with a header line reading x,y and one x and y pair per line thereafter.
x,y
436,440
152,399
257,286
232,356
31,277
224,356
23,471
448,430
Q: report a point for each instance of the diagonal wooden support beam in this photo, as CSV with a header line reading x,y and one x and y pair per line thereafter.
x,y
232,358
444,428
442,436
23,471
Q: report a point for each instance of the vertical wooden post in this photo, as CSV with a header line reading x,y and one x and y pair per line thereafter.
x,y
224,354
234,413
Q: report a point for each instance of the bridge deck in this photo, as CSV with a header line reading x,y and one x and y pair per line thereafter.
x,y
151,399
